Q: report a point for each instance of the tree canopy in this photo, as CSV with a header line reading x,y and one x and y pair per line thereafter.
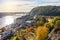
x,y
41,33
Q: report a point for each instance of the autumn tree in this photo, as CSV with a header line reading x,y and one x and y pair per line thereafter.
x,y
41,33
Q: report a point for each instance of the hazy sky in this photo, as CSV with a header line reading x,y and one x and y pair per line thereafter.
x,y
24,5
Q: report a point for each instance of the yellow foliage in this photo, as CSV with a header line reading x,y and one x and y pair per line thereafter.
x,y
41,33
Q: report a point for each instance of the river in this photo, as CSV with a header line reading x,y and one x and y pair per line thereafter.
x,y
9,19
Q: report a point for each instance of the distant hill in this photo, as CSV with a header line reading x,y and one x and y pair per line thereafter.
x,y
11,13
46,11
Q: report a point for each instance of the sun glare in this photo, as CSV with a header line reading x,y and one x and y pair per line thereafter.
x,y
9,20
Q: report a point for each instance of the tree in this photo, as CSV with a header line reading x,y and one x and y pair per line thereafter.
x,y
57,24
53,21
49,26
41,21
41,33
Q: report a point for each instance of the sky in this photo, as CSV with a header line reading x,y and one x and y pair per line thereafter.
x,y
24,5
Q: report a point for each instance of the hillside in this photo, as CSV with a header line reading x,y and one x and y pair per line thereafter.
x,y
46,11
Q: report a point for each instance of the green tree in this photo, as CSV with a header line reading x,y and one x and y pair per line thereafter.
x,y
57,24
41,21
48,26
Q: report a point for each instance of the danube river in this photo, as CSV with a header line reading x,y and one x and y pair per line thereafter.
x,y
9,19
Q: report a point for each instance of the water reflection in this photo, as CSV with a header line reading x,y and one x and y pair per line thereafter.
x,y
6,21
